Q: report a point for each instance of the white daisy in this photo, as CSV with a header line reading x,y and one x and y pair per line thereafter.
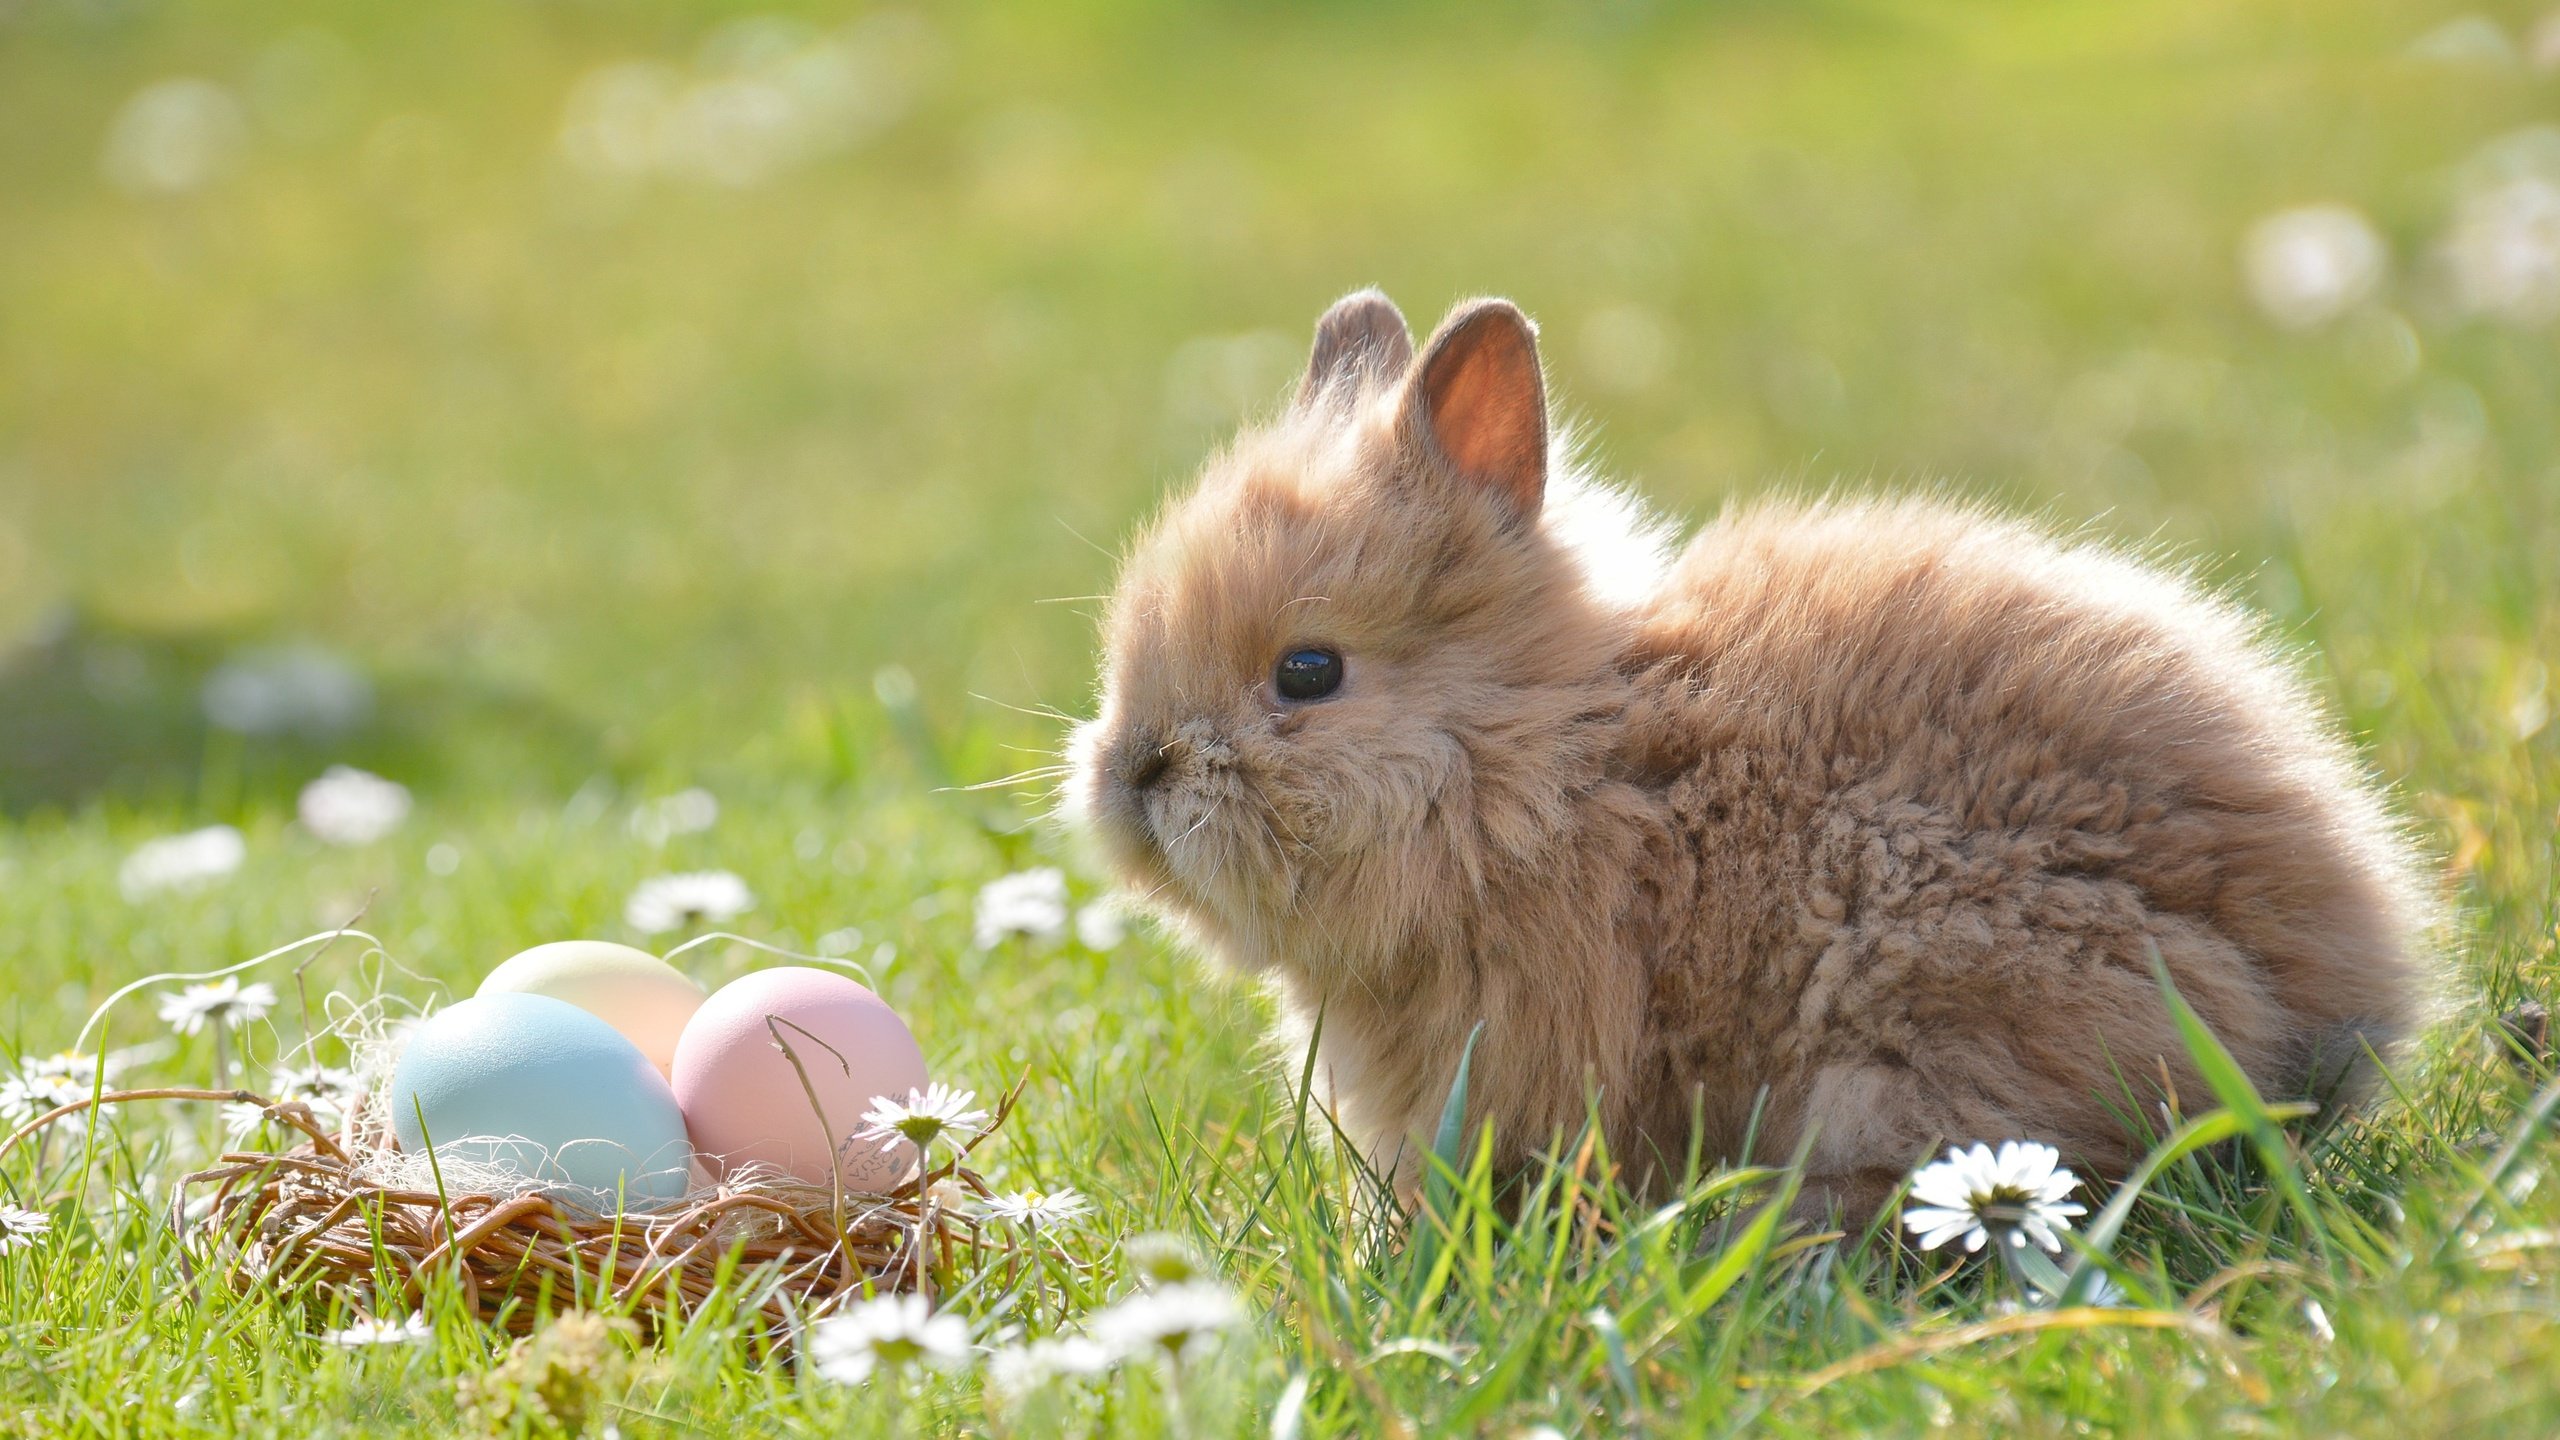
x,y
1102,925
226,1001
287,690
181,862
67,1065
21,1100
347,806
1161,1259
174,136
686,812
367,1331
681,902
1031,905
2503,251
892,1332
314,1083
2312,264
937,1113
1039,1209
45,1084
241,1119
1020,1369
2318,1317
1172,1322
2019,1193
21,1227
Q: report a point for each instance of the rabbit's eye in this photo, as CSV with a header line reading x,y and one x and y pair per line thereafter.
x,y
1307,674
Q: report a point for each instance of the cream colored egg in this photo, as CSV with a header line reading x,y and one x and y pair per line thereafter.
x,y
633,991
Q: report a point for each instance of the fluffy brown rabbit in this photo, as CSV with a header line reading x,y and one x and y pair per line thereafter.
x,y
1876,809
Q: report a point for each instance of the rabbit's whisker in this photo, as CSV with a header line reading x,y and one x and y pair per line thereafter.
x,y
1042,712
1205,817
1022,777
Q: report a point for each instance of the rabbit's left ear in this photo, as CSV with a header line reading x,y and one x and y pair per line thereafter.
x,y
1360,342
1478,400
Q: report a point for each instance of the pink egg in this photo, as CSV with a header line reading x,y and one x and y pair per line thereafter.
x,y
746,1104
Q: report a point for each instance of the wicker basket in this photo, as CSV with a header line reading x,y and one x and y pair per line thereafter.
x,y
786,1252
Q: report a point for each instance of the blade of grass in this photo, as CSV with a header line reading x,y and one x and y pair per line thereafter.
x,y
2489,1186
1440,1181
1738,1256
2232,1087
2098,1239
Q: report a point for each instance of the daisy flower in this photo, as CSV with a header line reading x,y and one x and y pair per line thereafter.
x,y
45,1084
1173,1322
287,690
1039,1209
681,902
226,1002
1161,1259
21,1227
181,862
1102,925
937,1113
2503,251
347,806
34,1092
64,1064
241,1119
2312,264
2018,1193
686,812
2318,1316
890,1332
367,1331
301,1082
1030,905
327,1089
22,1098
1020,1369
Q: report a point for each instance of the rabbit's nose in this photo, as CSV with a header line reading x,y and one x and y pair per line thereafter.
x,y
1143,761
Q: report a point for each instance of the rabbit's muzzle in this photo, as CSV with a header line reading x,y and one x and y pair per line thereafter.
x,y
1142,760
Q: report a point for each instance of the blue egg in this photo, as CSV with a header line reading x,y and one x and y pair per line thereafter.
x,y
545,1092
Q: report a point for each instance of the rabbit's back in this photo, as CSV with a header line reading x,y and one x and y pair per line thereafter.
x,y
1944,784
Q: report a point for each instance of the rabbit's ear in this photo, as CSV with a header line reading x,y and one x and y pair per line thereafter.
x,y
1478,398
1360,342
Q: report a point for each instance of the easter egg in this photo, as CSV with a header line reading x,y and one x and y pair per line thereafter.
x,y
512,1088
633,991
748,1104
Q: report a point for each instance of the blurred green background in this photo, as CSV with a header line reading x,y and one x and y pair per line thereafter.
x,y
535,390
606,419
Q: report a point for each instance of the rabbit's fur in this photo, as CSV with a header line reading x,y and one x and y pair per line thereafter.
x,y
1867,814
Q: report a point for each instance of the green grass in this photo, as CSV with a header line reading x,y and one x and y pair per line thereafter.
x,y
613,487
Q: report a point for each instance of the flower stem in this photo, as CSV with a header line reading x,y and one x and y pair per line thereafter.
x,y
2029,1269
1177,1415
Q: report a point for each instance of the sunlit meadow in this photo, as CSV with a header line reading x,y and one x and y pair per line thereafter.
x,y
484,473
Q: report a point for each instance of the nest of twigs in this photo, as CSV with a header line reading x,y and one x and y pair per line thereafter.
x,y
318,1214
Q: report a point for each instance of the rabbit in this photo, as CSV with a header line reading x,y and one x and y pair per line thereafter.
x,y
1850,831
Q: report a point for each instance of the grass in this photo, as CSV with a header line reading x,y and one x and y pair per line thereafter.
x,y
614,485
